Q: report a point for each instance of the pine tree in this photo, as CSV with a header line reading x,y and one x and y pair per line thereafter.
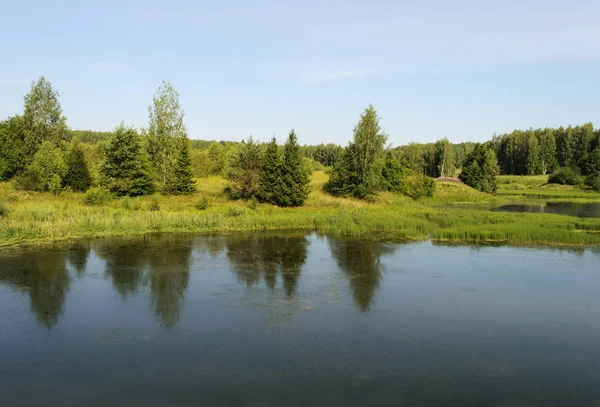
x,y
269,178
295,176
181,181
78,175
123,171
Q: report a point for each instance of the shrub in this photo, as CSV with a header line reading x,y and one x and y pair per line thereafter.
x,y
201,204
565,176
55,186
136,205
3,210
419,186
154,206
253,204
234,211
97,196
126,202
593,181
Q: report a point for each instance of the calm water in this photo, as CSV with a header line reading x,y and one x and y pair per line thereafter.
x,y
298,321
587,210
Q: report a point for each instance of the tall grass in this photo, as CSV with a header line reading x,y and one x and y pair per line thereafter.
x,y
40,216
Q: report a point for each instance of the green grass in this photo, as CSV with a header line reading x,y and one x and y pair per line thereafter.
x,y
33,217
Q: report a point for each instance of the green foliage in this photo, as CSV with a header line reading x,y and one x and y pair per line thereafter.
x,y
12,147
201,204
480,169
47,165
444,158
181,180
154,205
234,212
3,210
77,176
593,181
97,196
123,171
253,204
565,176
243,175
419,186
126,202
392,175
269,176
295,176
55,185
42,117
358,172
165,130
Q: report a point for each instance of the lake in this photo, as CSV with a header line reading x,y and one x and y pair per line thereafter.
x,y
581,210
297,320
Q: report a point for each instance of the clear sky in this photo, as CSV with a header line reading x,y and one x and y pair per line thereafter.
x,y
462,69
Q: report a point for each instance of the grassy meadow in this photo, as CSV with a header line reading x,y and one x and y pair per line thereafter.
x,y
456,213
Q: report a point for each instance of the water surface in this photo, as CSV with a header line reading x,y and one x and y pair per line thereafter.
x,y
581,210
295,320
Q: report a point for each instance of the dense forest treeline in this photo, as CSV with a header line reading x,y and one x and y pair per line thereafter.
x,y
40,152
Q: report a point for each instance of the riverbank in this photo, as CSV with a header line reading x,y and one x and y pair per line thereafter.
x,y
447,217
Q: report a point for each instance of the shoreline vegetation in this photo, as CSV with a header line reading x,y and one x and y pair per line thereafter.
x,y
62,184
455,214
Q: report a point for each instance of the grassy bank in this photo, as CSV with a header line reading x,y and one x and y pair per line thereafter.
x,y
42,217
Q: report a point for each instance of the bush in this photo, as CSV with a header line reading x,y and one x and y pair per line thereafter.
x,y
3,210
418,186
593,181
97,196
234,211
154,206
136,205
201,204
565,176
126,202
55,186
253,204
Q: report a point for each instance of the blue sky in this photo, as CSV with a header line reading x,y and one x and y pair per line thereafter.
x,y
460,69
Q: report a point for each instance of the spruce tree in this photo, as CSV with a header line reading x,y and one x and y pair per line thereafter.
x,y
78,175
123,171
294,175
269,178
181,181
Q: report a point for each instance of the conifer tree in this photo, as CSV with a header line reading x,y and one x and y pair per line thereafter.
x,y
78,175
294,175
123,171
269,178
181,181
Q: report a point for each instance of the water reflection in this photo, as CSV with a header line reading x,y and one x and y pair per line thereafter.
x,y
44,276
268,258
169,277
124,264
580,210
360,262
